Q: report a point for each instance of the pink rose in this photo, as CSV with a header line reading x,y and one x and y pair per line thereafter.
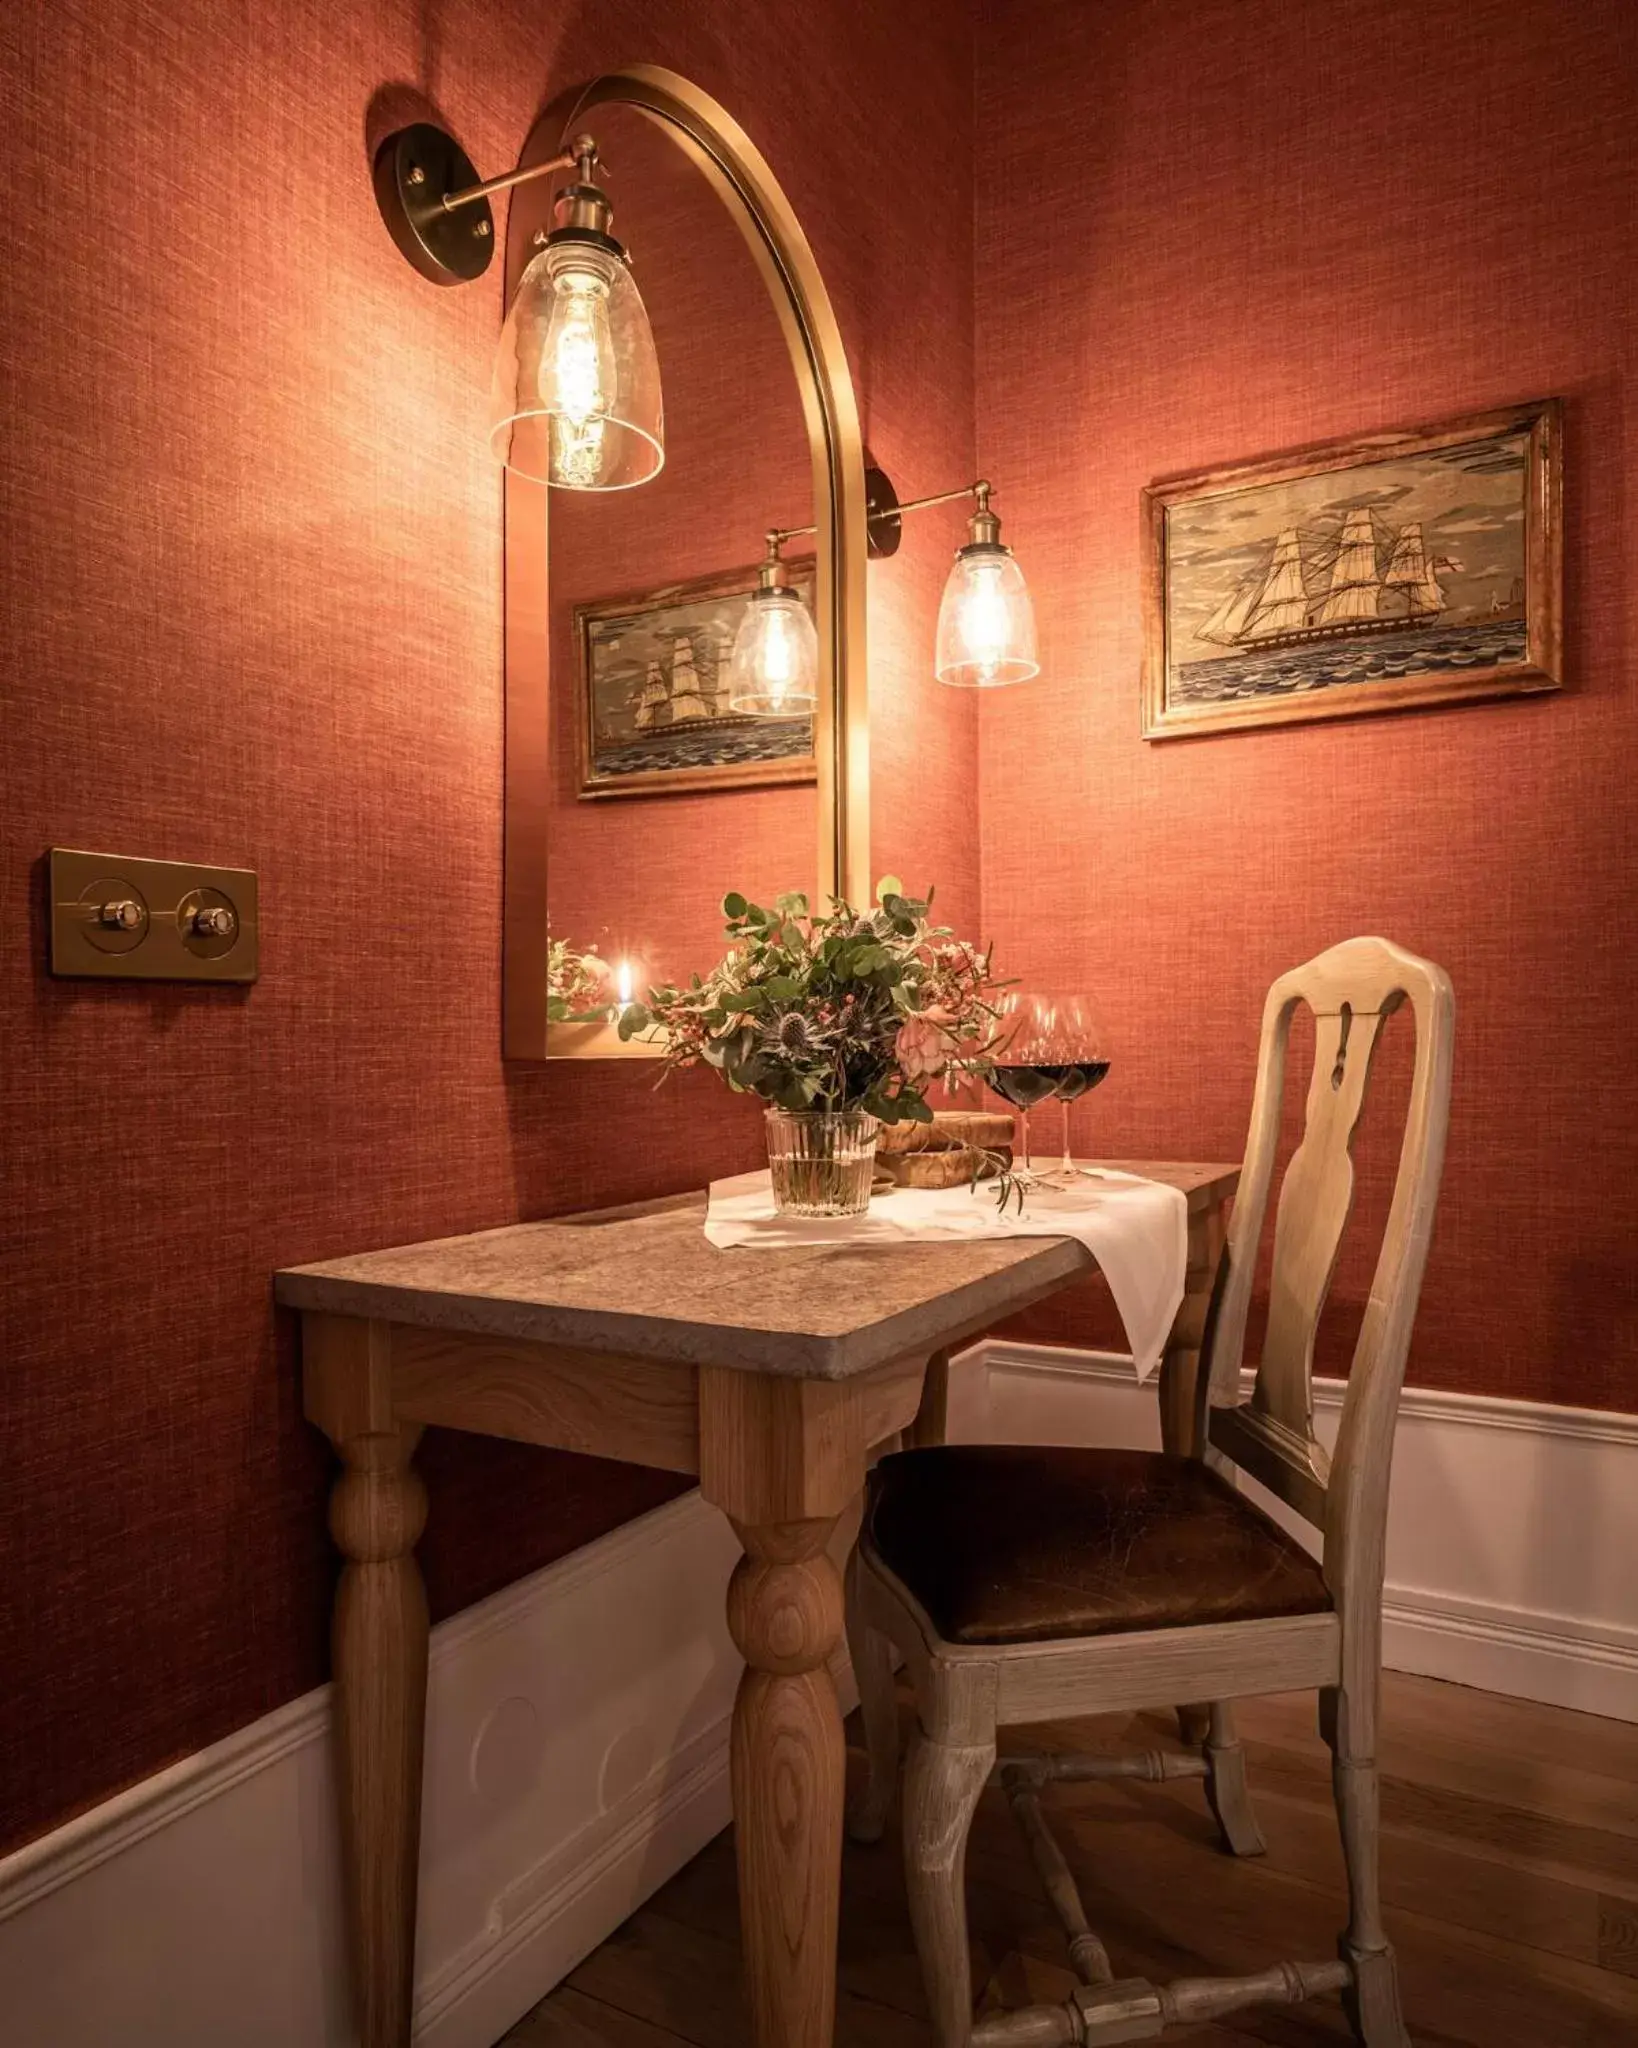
x,y
923,1047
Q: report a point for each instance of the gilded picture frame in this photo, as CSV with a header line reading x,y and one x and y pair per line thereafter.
x,y
1378,573
651,682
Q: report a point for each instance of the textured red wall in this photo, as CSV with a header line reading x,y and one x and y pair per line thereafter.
x,y
1216,228
251,581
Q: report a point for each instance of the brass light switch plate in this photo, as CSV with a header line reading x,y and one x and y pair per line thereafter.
x,y
119,918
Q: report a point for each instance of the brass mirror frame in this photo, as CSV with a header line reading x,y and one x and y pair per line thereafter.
x,y
709,136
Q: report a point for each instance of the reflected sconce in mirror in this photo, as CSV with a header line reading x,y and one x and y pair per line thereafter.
x,y
986,621
576,399
774,668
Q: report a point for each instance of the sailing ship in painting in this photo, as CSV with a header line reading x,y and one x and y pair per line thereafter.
x,y
654,677
1377,581
1400,566
677,692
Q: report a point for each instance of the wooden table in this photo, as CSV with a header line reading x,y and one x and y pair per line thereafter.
x,y
771,1375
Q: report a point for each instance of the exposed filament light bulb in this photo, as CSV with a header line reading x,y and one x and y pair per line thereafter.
x,y
578,371
986,622
773,671
576,398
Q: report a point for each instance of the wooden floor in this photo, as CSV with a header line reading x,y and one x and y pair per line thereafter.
x,y
1510,1873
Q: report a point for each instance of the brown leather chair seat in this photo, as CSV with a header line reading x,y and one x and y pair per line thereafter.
x,y
1004,1543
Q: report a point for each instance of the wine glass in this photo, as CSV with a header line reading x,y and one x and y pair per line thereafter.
x,y
1048,1047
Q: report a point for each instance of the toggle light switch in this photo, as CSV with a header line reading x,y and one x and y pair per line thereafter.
x,y
113,915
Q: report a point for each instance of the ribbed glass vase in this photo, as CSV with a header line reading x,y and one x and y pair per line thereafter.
x,y
822,1160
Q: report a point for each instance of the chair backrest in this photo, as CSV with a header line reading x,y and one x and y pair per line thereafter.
x,y
1351,990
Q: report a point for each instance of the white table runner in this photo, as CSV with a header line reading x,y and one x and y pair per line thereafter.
x,y
1137,1230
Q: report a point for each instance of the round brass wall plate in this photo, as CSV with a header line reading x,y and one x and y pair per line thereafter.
x,y
884,529
413,171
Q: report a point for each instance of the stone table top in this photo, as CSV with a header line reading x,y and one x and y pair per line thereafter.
x,y
646,1281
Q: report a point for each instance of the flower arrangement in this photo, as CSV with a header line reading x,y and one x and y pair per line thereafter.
x,y
577,985
829,1014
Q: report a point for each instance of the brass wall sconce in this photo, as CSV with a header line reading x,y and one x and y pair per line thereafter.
x,y
576,399
773,670
986,620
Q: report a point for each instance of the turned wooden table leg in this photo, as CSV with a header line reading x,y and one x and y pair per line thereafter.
x,y
788,1768
1180,1380
379,1653
784,1459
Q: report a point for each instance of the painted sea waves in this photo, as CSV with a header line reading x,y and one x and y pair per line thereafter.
x,y
721,743
1288,671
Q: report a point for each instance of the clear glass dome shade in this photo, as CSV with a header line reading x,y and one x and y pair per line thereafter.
x,y
774,668
576,400
986,622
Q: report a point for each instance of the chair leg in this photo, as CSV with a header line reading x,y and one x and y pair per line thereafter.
x,y
942,1783
872,1656
1372,1999
1226,1785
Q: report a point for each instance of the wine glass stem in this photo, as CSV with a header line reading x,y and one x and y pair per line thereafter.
x,y
1063,1111
1023,1135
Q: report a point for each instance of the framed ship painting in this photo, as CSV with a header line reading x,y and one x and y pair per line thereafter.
x,y
1367,575
653,692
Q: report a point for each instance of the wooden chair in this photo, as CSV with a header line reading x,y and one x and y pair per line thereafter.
x,y
1024,1584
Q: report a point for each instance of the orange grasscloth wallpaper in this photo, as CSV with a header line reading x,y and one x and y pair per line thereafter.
x,y
252,592
252,596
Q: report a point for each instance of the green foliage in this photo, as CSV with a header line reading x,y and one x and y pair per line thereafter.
x,y
850,1009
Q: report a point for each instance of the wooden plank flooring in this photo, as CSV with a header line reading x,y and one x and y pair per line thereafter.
x,y
1510,1873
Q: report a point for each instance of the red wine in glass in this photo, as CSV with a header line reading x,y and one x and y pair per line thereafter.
x,y
1023,1087
1052,1048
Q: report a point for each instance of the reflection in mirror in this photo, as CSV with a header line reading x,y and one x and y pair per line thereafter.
x,y
664,796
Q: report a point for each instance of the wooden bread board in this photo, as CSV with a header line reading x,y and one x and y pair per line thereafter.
x,y
952,1130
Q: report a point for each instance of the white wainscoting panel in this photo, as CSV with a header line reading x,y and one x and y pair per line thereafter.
x,y
577,1728
1512,1526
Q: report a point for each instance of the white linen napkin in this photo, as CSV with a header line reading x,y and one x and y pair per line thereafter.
x,y
1137,1230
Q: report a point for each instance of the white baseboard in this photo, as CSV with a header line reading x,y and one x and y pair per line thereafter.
x,y
577,1729
1512,1525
